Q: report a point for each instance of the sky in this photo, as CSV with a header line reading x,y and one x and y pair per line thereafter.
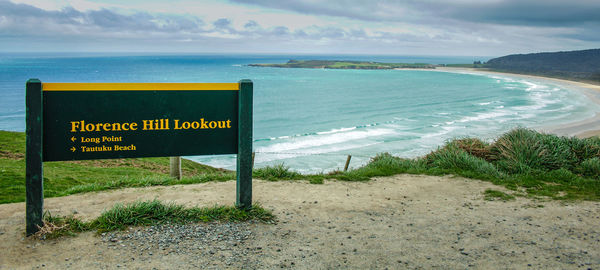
x,y
380,27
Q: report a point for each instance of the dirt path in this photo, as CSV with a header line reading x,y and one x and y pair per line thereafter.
x,y
405,221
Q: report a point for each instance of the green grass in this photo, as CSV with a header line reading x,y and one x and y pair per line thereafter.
x,y
12,144
277,172
344,64
375,65
65,178
541,165
492,195
522,159
144,213
280,172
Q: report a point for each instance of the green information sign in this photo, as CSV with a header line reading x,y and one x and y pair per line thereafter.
x,y
79,121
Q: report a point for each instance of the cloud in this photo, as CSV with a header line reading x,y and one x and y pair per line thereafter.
x,y
510,12
251,25
353,9
481,27
589,33
519,12
109,23
440,25
33,20
222,23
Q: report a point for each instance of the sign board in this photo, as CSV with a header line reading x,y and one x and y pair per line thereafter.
x,y
106,120
80,121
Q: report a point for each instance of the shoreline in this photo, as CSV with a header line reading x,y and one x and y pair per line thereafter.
x,y
584,128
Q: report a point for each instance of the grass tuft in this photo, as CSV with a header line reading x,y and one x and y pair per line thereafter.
x,y
455,159
143,213
590,167
493,195
523,150
383,164
54,227
521,159
276,172
474,147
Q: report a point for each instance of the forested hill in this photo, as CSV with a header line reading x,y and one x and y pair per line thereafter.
x,y
579,65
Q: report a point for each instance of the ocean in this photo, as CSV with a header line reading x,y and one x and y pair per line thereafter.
x,y
311,119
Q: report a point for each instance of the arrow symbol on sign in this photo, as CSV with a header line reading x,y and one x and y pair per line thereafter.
x,y
73,139
73,149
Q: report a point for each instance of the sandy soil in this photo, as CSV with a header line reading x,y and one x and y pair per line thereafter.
x,y
579,127
404,221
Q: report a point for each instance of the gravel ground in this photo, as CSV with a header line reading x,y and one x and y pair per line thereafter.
x,y
400,222
213,245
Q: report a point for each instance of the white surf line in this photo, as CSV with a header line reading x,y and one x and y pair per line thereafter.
x,y
575,128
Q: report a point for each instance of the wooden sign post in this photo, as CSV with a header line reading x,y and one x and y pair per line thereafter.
x,y
79,121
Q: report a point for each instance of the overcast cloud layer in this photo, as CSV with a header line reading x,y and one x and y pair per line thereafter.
x,y
426,27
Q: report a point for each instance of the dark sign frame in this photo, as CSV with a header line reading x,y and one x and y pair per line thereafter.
x,y
135,120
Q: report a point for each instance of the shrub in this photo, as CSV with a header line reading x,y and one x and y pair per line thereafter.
x,y
386,162
451,157
558,152
475,147
521,150
590,167
561,176
585,148
518,151
279,171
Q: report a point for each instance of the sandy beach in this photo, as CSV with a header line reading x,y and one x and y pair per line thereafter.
x,y
581,128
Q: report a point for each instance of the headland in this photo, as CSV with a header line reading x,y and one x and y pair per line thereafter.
x,y
334,64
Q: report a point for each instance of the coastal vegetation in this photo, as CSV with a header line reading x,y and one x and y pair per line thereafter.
x,y
145,213
583,65
64,178
331,64
524,161
476,64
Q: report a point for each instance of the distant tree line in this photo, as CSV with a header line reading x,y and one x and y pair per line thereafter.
x,y
581,65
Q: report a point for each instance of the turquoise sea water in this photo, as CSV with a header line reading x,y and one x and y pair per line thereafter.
x,y
310,119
